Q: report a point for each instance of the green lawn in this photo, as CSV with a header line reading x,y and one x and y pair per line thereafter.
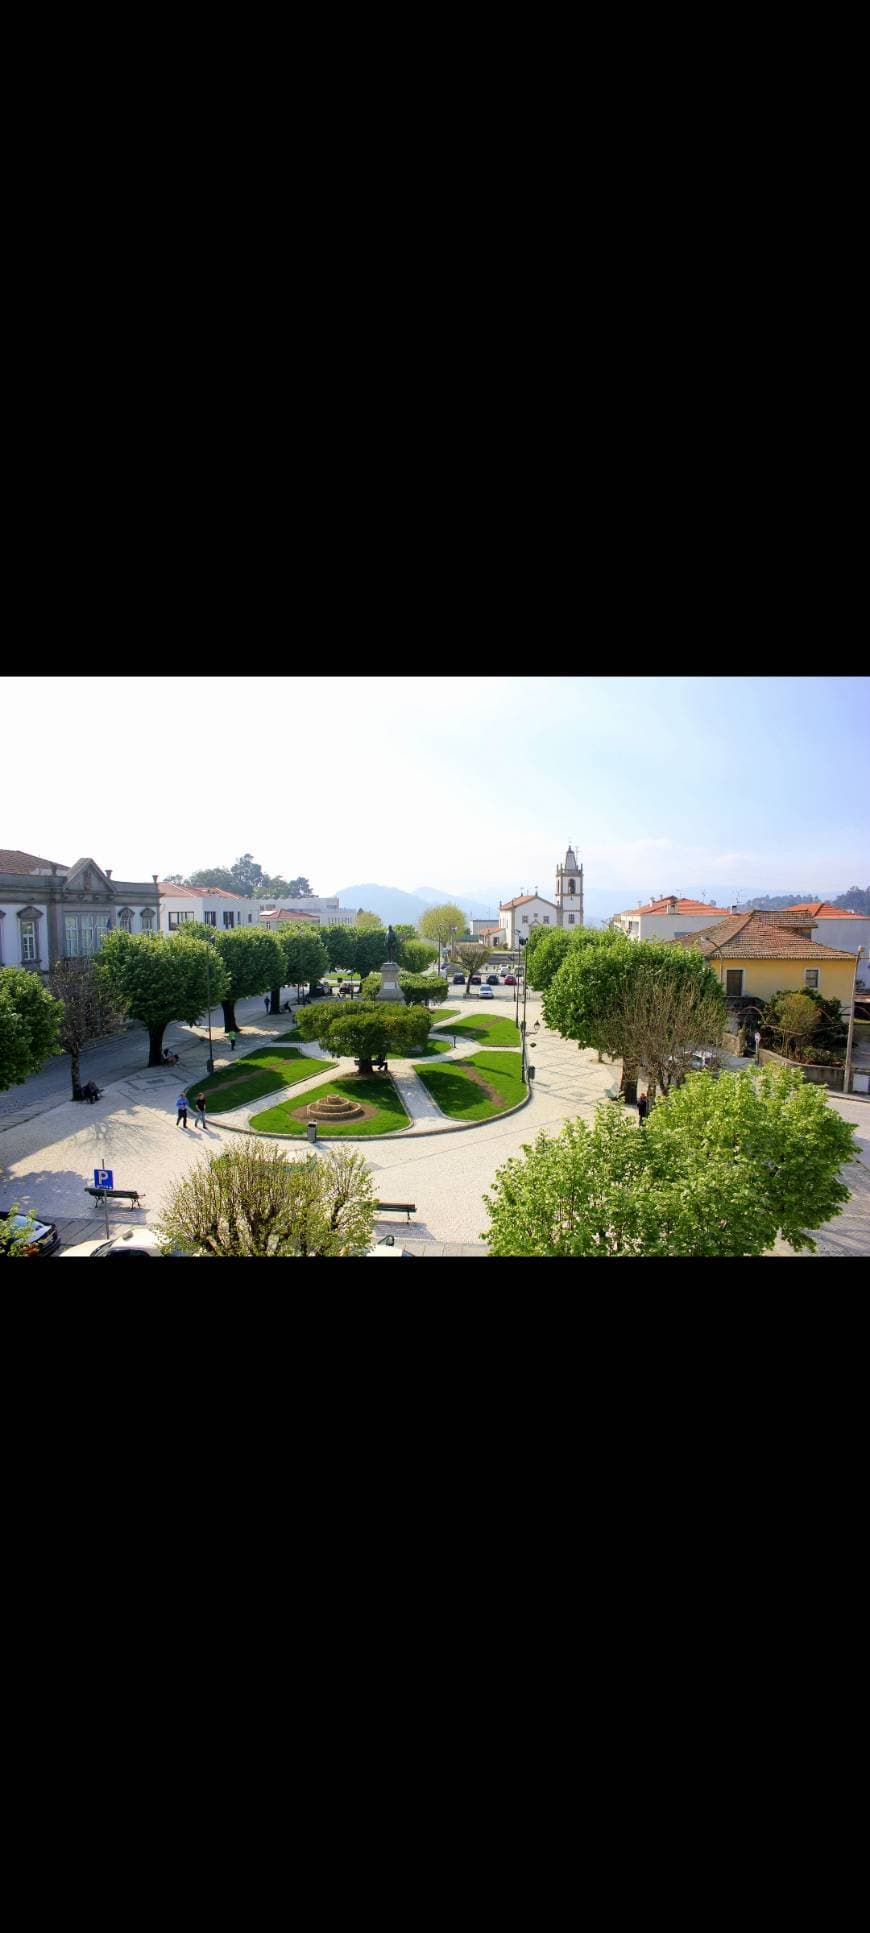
x,y
491,1028
433,1046
261,1072
294,1034
463,1098
443,1013
375,1089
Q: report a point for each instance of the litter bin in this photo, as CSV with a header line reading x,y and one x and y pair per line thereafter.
x,y
312,1130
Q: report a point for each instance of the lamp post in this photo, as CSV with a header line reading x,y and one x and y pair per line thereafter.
x,y
209,1065
847,1070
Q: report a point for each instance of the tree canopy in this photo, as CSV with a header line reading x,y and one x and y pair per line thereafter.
x,y
254,962
722,1167
472,959
422,989
366,1030
442,923
368,922
252,1200
30,1019
158,979
545,950
305,956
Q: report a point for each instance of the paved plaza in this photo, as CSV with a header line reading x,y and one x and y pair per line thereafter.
x,y
48,1151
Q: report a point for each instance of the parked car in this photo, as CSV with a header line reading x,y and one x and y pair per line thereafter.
x,y
486,993
459,979
492,979
510,980
319,990
44,1239
475,979
389,1246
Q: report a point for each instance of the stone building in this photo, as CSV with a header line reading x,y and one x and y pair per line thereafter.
x,y
51,912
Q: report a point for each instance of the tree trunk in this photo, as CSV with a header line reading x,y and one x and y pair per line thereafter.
x,y
628,1084
365,1065
230,1021
76,1072
155,1045
275,997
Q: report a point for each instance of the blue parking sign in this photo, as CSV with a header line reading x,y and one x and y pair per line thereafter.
x,y
103,1178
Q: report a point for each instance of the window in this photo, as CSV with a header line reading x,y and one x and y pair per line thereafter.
x,y
147,918
229,919
88,932
811,978
734,980
178,919
250,917
570,919
210,919
570,885
103,923
525,919
546,919
71,928
125,920
28,939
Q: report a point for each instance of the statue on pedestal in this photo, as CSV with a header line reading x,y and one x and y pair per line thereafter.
x,y
392,944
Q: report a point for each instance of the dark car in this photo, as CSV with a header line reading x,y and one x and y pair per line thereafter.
x,y
44,1240
459,979
319,989
510,980
475,979
492,979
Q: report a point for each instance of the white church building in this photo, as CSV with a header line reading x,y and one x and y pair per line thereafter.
x,y
518,916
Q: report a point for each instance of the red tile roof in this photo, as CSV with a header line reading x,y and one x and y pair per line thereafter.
x,y
522,899
169,891
821,909
682,906
747,937
286,913
12,861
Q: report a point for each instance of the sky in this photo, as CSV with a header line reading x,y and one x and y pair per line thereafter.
x,y
699,786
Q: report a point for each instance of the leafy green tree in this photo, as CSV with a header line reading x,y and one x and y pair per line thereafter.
x,y
273,888
797,1020
545,950
472,959
90,1009
17,1240
340,943
30,1020
252,1200
442,923
367,922
584,1000
366,1031
415,955
300,888
214,876
254,962
370,988
722,1167
828,1035
247,874
175,879
158,979
371,949
305,957
422,989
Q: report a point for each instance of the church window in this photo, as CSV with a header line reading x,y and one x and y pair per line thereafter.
x,y
570,885
570,919
546,919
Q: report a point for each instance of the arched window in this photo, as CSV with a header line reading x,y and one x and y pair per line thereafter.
x,y
147,918
125,919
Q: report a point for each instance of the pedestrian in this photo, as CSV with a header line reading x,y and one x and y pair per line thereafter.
x,y
231,1037
642,1108
267,1003
181,1110
200,1111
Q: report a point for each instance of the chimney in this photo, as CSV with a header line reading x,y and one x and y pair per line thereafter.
x,y
672,905
735,909
108,872
154,877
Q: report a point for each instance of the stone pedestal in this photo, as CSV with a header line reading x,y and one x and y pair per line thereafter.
x,y
389,988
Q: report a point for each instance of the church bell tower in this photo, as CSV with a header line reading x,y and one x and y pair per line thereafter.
x,y
569,890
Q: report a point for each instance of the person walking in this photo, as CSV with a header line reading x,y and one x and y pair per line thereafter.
x,y
200,1111
232,1037
181,1110
267,1002
642,1108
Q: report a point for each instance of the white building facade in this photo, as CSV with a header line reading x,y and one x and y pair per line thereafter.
x,y
518,916
668,918
835,926
179,905
326,910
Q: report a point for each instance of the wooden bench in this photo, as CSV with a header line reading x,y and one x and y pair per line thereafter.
x,y
115,1194
408,1208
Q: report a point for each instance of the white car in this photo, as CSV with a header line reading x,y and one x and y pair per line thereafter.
x,y
485,993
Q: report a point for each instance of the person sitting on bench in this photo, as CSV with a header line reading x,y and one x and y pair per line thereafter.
x,y
381,1064
169,1058
91,1091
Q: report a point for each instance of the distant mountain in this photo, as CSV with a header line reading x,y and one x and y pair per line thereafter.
x,y
439,896
391,903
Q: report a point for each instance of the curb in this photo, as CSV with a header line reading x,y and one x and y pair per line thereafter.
x,y
398,1134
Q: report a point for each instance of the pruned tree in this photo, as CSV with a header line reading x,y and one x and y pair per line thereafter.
x,y
340,943
254,962
253,1200
30,1018
305,957
422,989
471,959
415,955
667,1010
546,948
90,1009
367,1031
158,979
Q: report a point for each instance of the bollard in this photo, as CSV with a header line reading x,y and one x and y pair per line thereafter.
x,y
312,1130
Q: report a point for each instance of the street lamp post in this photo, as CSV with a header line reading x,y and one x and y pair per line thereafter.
x,y
847,1070
209,1065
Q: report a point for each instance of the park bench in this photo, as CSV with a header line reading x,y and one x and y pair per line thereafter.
x,y
408,1208
115,1194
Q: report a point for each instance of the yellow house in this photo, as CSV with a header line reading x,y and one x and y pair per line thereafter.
x,y
757,954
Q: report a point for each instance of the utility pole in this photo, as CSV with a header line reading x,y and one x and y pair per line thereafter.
x,y
847,1070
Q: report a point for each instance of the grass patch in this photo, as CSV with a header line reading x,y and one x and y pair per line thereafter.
x,y
373,1090
463,1097
261,1072
444,1013
294,1034
492,1029
433,1046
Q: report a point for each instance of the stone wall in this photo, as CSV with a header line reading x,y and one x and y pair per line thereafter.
x,y
831,1077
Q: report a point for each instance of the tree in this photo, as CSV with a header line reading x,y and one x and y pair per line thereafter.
x,y
254,962
583,999
797,1018
247,874
370,951
90,1009
671,1004
274,888
300,888
15,1238
415,955
305,956
215,876
471,959
546,948
422,989
367,1031
368,922
30,1020
829,1033
442,923
158,979
175,879
252,1200
340,943
722,1167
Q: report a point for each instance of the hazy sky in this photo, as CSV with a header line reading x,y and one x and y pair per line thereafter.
x,y
476,785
